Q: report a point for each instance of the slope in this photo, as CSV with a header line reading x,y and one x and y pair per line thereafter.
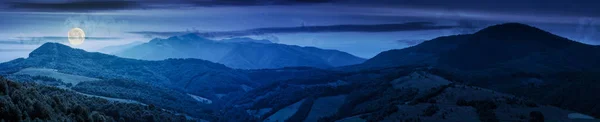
x,y
391,94
188,74
137,78
512,58
31,102
510,46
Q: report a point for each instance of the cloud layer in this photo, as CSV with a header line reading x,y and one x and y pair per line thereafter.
x,y
411,26
42,40
558,7
74,5
98,5
15,50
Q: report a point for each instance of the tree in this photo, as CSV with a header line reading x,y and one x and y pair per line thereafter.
x,y
536,116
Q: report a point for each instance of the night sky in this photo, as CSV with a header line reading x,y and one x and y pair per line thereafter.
x,y
360,27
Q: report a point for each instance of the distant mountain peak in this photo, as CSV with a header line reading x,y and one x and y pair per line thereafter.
x,y
51,48
189,36
513,32
63,52
517,34
513,27
53,45
246,39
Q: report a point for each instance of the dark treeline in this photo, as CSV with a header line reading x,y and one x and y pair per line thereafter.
x,y
562,89
369,95
31,102
149,94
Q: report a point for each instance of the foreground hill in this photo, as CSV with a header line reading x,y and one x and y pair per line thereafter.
x,y
241,53
191,75
512,58
389,95
172,84
32,102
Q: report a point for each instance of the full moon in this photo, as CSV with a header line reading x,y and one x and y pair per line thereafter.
x,y
76,36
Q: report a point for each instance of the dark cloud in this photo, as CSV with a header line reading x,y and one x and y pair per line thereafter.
x,y
74,5
554,7
14,42
66,38
411,26
98,5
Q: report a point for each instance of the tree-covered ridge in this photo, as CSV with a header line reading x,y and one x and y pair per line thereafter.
x,y
149,94
396,94
29,101
195,76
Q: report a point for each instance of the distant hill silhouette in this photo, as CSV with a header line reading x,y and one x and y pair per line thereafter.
x,y
242,53
118,48
512,58
510,46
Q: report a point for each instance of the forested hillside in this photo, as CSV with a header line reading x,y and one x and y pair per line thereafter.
x,y
149,94
194,76
512,58
390,95
29,101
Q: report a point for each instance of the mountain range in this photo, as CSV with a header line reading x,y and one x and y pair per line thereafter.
x,y
543,71
239,53
505,72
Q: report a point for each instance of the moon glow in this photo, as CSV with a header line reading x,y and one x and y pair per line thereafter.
x,y
76,36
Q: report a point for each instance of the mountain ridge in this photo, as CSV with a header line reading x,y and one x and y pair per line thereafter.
x,y
98,65
118,48
209,80
425,78
487,48
240,53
